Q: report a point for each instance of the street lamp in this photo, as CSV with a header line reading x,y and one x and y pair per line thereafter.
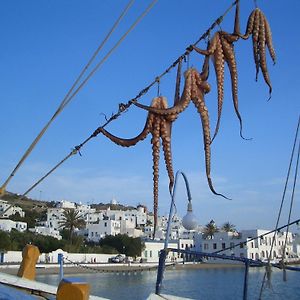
x,y
189,222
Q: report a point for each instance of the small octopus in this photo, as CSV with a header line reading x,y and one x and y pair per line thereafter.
x,y
194,90
221,48
160,128
259,27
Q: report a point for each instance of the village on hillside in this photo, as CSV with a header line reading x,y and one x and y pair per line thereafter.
x,y
98,222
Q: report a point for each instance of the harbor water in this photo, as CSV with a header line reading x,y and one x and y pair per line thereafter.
x,y
216,283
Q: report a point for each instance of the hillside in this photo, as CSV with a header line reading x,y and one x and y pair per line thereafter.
x,y
39,205
25,202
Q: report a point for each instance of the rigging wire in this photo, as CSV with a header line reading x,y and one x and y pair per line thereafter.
x,y
123,107
69,96
292,202
282,202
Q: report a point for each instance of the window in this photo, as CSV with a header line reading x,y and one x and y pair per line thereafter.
x,y
205,246
223,245
241,245
105,224
214,246
150,254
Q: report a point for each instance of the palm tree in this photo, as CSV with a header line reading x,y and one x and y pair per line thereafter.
x,y
228,227
210,229
71,220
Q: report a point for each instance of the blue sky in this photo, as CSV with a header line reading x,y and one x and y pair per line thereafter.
x,y
45,44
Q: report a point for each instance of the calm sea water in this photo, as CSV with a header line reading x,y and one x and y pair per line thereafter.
x,y
208,284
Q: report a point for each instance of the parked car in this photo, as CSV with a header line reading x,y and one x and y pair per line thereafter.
x,y
117,259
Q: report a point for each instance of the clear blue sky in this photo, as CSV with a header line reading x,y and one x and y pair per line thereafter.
x,y
44,45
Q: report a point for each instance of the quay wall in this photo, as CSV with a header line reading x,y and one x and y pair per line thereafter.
x,y
52,257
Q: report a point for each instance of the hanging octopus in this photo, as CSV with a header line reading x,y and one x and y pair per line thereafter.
x,y
160,128
195,88
259,27
221,48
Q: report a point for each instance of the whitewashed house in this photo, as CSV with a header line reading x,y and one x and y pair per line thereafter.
x,y
66,204
8,225
129,228
54,217
7,210
296,245
152,250
103,228
260,248
46,231
141,216
242,245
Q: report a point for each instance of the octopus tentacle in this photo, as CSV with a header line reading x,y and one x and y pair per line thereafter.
x,y
219,70
205,70
199,102
213,43
179,107
258,26
249,27
236,29
165,133
269,40
155,154
231,63
255,42
262,51
130,142
178,81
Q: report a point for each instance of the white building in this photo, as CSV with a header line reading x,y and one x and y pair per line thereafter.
x,y
7,210
243,245
47,231
103,228
66,204
260,248
8,225
152,250
54,217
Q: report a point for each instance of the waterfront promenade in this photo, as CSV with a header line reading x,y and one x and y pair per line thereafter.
x,y
41,269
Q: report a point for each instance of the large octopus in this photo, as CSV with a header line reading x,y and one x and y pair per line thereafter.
x,y
259,27
221,48
195,88
160,128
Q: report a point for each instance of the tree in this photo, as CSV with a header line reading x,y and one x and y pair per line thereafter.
x,y
123,244
4,240
71,220
210,229
228,227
